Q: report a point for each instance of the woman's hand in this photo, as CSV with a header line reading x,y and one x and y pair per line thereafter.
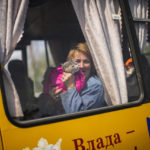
x,y
55,92
69,80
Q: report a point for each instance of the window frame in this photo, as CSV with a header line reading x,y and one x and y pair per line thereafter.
x,y
129,25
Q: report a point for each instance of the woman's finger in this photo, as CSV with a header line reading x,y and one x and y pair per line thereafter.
x,y
58,91
53,89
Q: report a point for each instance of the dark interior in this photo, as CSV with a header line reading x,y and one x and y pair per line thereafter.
x,y
54,21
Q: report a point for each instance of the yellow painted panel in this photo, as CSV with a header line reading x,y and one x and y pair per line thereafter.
x,y
1,144
130,124
126,129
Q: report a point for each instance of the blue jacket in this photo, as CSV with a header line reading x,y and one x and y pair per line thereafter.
x,y
91,96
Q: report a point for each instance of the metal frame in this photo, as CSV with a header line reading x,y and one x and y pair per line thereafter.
x,y
133,41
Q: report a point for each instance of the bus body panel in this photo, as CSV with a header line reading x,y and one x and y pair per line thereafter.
x,y
121,129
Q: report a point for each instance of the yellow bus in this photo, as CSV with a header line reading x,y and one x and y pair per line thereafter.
x,y
36,36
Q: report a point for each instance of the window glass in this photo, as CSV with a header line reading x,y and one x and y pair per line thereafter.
x,y
147,53
38,60
16,55
141,15
63,73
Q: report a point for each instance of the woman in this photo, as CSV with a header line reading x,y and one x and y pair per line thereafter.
x,y
92,95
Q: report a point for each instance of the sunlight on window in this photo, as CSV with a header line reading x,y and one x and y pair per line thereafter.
x,y
16,55
38,61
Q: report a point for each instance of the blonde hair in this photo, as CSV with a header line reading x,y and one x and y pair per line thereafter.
x,y
82,48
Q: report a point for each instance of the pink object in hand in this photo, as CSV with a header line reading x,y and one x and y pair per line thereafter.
x,y
55,79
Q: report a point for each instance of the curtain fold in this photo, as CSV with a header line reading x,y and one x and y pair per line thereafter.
x,y
12,18
103,36
139,9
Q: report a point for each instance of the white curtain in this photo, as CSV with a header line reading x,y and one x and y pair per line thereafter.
x,y
102,35
12,18
139,9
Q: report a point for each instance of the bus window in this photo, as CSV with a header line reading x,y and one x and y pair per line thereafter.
x,y
38,62
72,64
141,20
16,55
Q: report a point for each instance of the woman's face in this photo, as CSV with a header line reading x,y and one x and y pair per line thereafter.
x,y
83,62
